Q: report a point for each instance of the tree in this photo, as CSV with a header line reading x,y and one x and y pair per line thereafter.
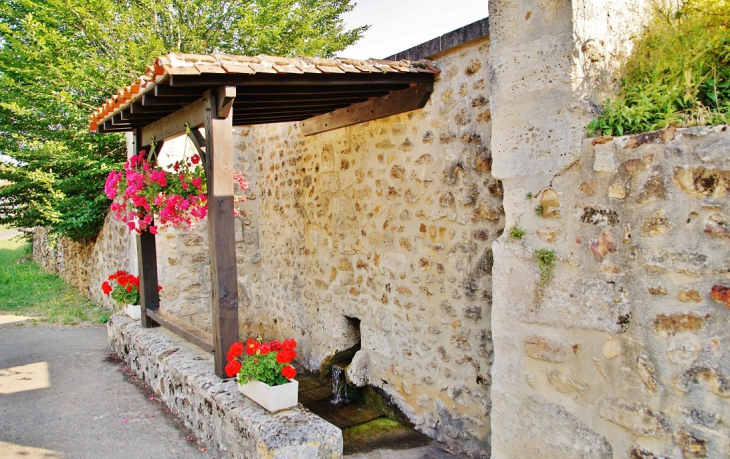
x,y
60,59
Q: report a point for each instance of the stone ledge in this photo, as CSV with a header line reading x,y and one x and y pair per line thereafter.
x,y
182,376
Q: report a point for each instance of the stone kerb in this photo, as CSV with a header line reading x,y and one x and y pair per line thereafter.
x,y
182,376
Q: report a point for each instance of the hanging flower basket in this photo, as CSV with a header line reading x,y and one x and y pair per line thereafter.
x,y
175,197
265,374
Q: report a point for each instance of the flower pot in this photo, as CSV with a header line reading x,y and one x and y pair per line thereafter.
x,y
133,310
273,398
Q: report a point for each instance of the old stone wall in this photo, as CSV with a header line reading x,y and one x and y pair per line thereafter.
x,y
382,232
86,264
379,233
231,425
624,345
619,351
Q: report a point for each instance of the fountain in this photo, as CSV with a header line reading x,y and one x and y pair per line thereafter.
x,y
339,386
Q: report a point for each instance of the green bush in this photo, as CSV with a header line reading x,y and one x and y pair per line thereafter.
x,y
678,73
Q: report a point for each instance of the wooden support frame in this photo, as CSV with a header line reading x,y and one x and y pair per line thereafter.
x,y
214,111
221,233
396,102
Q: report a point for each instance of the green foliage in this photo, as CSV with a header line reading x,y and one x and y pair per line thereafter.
x,y
262,367
59,60
27,290
516,232
538,210
545,262
678,73
529,195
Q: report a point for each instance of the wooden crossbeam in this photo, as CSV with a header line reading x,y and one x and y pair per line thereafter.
x,y
267,79
314,90
296,98
173,125
194,335
149,100
396,102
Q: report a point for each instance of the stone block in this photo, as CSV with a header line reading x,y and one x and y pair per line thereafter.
x,y
591,304
358,372
182,376
541,348
637,418
532,428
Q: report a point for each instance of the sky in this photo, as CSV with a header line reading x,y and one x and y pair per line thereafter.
x,y
396,25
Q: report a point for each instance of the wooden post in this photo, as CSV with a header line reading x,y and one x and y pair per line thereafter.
x,y
221,233
149,297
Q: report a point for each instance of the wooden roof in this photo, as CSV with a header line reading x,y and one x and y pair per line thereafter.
x,y
269,89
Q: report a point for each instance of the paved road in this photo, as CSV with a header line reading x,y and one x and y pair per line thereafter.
x,y
62,395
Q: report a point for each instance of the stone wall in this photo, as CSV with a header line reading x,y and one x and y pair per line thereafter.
x,y
624,344
231,425
379,232
620,351
392,232
86,264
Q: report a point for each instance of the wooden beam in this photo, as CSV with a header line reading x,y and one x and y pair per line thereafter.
x,y
296,109
138,108
150,100
392,104
163,90
246,106
181,328
226,95
174,124
319,89
221,233
288,98
268,79
149,296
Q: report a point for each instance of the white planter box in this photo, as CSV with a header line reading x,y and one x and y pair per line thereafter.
x,y
273,398
133,310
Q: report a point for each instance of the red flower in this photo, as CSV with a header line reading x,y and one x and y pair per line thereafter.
x,y
285,356
159,288
129,288
106,288
236,349
251,346
288,372
289,344
233,367
195,159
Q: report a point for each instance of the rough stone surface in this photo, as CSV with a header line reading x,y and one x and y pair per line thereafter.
x,y
357,372
182,376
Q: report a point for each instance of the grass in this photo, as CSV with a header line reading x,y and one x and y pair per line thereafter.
x,y
25,289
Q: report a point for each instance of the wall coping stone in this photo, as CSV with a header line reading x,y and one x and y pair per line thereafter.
x,y
182,376
458,37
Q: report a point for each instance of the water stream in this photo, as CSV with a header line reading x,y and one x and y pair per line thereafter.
x,y
339,386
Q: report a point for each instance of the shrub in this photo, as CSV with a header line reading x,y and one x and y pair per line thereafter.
x,y
678,73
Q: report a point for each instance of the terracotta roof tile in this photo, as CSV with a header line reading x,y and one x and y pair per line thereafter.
x,y
196,64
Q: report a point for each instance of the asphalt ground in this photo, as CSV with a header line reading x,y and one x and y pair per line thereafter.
x,y
63,394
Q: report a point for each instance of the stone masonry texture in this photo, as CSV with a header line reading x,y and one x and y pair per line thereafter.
x,y
398,233
231,424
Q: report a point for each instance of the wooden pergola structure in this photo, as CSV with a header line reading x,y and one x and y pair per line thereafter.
x,y
220,91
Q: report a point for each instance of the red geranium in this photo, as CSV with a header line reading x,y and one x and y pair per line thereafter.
x,y
233,367
269,362
288,372
123,288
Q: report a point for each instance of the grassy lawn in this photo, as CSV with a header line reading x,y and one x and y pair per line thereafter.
x,y
26,289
